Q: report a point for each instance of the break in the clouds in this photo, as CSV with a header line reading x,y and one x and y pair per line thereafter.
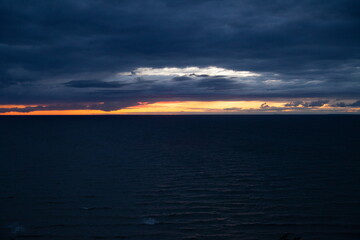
x,y
189,71
76,54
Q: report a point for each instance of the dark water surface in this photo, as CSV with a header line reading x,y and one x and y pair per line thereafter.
x,y
180,177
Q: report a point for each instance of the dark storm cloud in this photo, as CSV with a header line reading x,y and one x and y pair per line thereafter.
x,y
93,84
312,46
218,83
182,78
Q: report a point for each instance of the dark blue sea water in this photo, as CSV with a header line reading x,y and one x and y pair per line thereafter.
x,y
180,177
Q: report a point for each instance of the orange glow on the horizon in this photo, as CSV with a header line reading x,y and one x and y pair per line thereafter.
x,y
179,107
194,106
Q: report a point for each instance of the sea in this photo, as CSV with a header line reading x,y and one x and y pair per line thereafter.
x,y
238,177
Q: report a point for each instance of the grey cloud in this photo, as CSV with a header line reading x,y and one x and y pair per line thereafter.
x,y
232,109
355,104
315,103
294,104
305,104
106,106
343,104
51,107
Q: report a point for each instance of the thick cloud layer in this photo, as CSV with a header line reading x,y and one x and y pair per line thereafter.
x,y
71,52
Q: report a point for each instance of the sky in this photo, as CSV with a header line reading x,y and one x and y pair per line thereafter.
x,y
179,57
